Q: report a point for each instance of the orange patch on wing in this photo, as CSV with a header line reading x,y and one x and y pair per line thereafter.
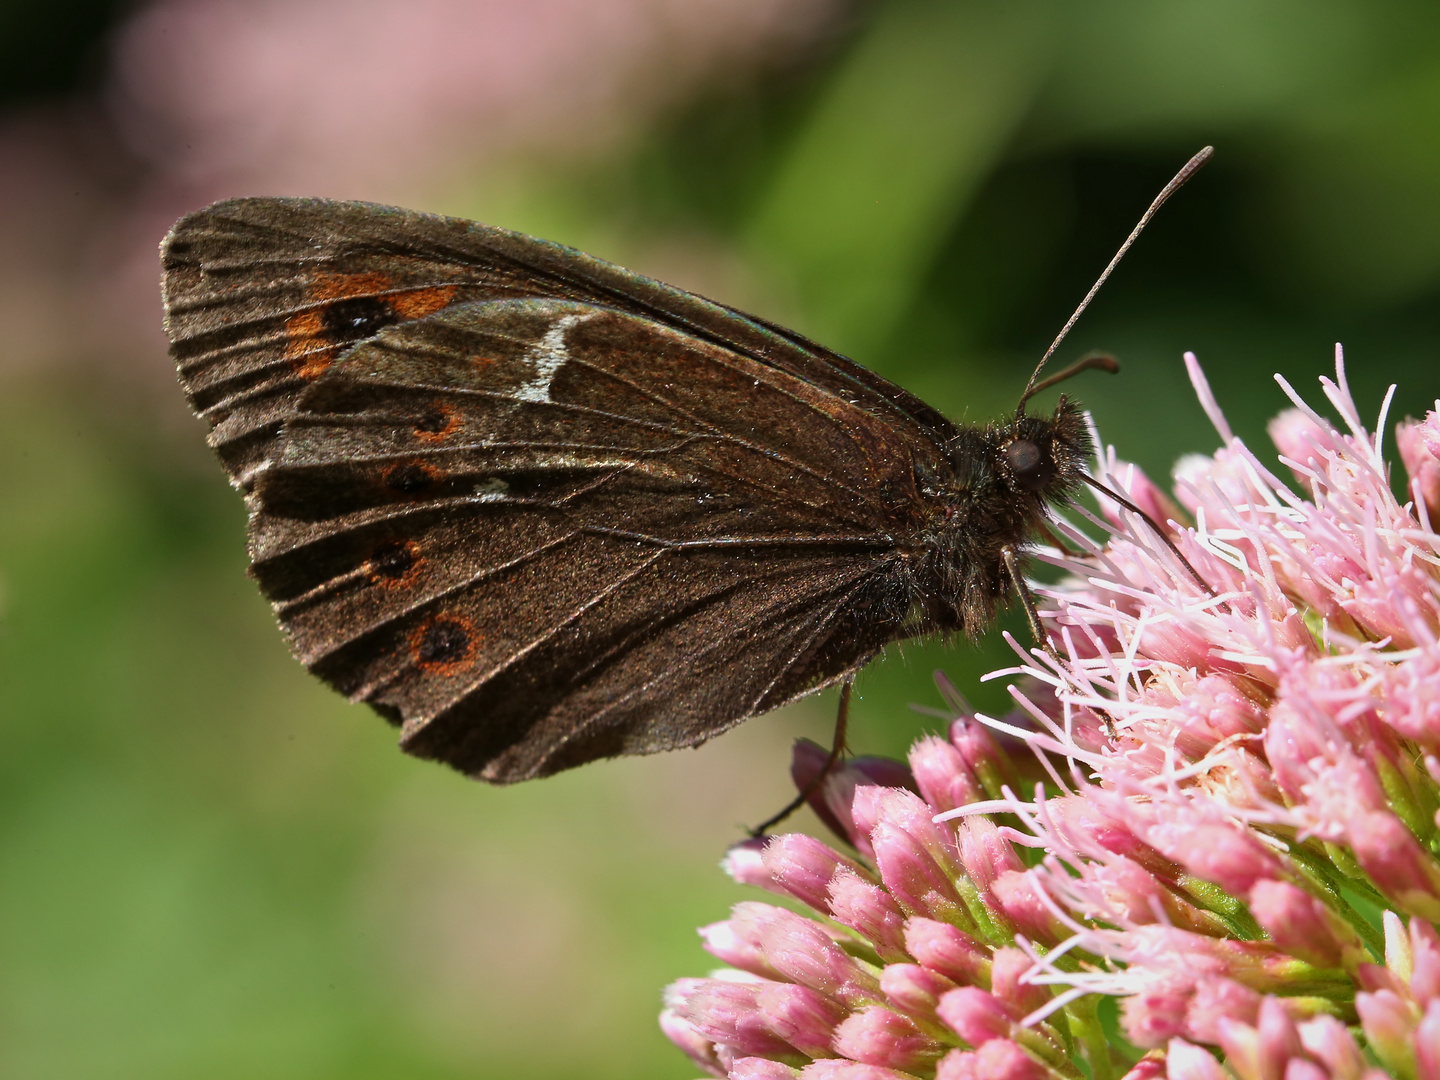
x,y
437,425
306,348
344,286
482,363
418,303
444,644
309,346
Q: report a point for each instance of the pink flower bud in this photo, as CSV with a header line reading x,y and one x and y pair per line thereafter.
x,y
1419,446
1301,1069
1008,973
1150,1067
697,1048
1303,926
1001,1059
911,875
945,781
1375,977
1156,1014
974,1015
951,952
1427,1044
721,940
1186,1061
907,811
1293,743
1329,1042
1279,1039
1385,605
744,862
1217,999
1412,693
877,1036
802,952
1400,867
1424,962
957,1065
754,1068
728,1013
1015,896
1225,471
986,759
1399,951
869,910
1137,897
804,1018
840,1069
1176,640
1219,707
1226,854
1299,438
1086,821
803,866
1241,1044
1388,1021
865,809
985,853
914,989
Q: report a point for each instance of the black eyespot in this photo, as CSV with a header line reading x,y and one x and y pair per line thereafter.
x,y
444,645
356,317
444,641
392,559
432,423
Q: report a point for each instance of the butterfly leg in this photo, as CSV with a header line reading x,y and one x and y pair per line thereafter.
x,y
837,751
1027,601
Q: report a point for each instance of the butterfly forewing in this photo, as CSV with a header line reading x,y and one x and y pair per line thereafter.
x,y
263,295
533,507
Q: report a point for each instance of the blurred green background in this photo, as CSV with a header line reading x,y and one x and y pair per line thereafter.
x,y
209,865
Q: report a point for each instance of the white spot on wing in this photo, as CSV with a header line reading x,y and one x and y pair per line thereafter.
x,y
491,490
549,356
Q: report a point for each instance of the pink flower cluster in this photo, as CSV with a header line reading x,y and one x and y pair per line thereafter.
x,y
1233,833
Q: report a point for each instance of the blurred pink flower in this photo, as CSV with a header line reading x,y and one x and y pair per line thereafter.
x,y
370,98
413,103
1238,840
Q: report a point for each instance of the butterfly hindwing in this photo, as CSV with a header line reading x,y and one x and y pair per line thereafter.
x,y
481,520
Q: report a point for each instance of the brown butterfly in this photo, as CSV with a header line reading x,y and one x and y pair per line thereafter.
x,y
537,510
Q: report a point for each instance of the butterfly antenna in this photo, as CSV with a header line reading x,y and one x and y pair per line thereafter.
x,y
1031,388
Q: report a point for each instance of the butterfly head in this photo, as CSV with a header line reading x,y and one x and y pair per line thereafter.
x,y
1045,456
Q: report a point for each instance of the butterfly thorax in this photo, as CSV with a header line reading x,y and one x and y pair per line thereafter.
x,y
995,495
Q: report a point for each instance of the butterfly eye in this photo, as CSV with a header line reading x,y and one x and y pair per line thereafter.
x,y
1029,464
